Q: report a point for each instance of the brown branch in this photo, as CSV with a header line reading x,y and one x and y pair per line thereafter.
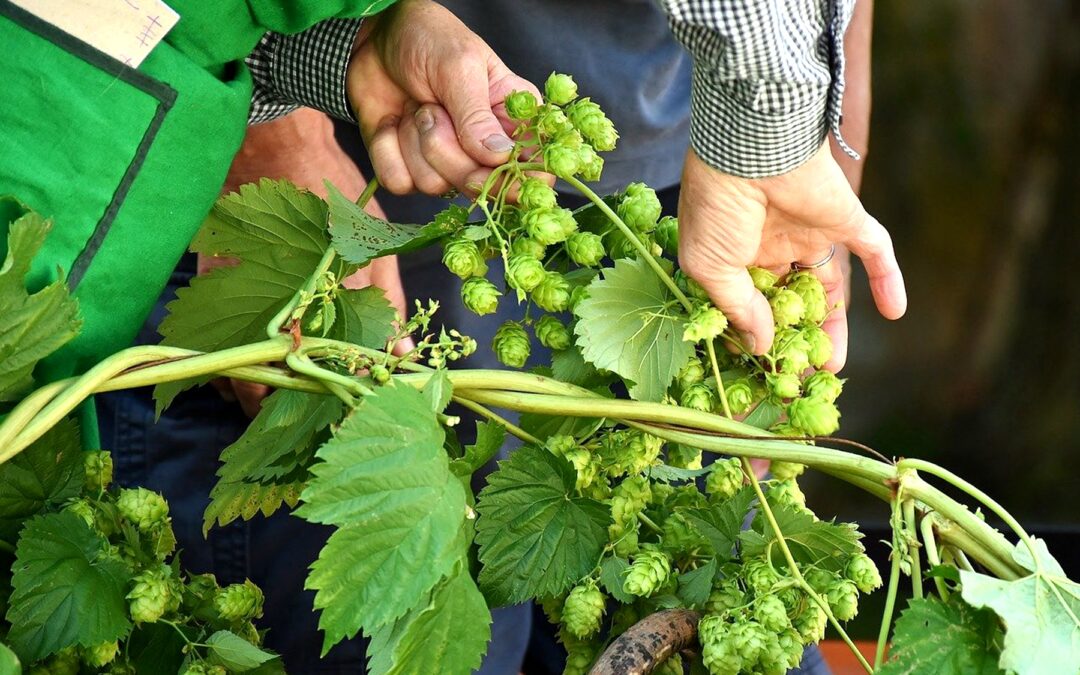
x,y
648,643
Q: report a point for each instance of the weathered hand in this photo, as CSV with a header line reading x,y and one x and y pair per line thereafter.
x,y
428,94
728,223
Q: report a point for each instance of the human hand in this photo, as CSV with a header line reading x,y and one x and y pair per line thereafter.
x,y
727,223
428,95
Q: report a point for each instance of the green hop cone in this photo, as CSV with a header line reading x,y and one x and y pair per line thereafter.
x,y
814,416
773,660
677,535
480,296
152,595
560,89
524,272
770,612
725,479
642,451
809,288
562,159
760,576
698,397
586,249
639,207
553,122
594,125
787,493
721,658
820,580
787,308
823,385
750,639
862,571
783,385
627,542
590,164
576,296
239,602
553,606
552,293
725,597
463,258
667,234
552,333
82,509
380,373
740,396
521,105
791,646
583,610
100,655
843,597
793,350
511,344
786,470
763,279
819,346
690,374
647,574
143,508
811,623
544,226
528,247
684,457
692,288
98,467
672,665
705,323
628,500
536,194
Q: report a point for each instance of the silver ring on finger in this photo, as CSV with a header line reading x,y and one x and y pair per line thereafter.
x,y
796,266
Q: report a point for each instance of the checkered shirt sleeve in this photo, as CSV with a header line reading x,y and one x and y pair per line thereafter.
x,y
768,79
305,69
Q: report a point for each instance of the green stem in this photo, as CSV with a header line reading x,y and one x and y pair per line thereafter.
x,y
649,523
496,417
7,547
911,533
890,598
961,484
926,528
345,388
711,349
763,504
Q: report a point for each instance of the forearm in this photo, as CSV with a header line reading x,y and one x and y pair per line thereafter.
x,y
857,96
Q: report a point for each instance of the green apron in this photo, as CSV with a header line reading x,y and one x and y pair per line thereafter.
x,y
127,162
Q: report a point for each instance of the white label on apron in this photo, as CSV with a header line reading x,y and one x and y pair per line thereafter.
x,y
124,29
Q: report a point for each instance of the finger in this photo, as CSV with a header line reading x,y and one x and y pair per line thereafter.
x,y
440,147
872,244
250,395
386,158
424,176
224,389
832,278
467,96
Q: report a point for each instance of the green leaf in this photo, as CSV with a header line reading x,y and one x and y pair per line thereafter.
x,y
1040,612
44,475
536,536
360,237
612,574
826,544
235,653
438,391
447,634
66,589
944,638
764,415
364,317
696,585
674,474
157,648
632,325
567,365
36,325
490,436
9,663
265,466
385,481
722,523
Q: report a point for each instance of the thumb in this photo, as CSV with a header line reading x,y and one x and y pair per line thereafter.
x,y
470,102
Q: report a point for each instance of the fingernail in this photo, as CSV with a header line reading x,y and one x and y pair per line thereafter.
x,y
498,143
749,341
424,120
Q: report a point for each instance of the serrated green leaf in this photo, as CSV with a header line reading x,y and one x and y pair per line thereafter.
x,y
33,326
674,474
567,365
9,662
363,317
722,523
822,543
536,536
438,391
632,325
385,481
156,648
490,436
65,589
944,638
44,475
266,466
696,585
612,574
447,634
764,415
1040,612
360,237
235,653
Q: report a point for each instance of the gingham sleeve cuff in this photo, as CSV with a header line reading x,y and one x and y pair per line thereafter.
x,y
305,69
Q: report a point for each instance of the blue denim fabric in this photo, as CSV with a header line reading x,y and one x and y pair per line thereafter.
x,y
178,456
